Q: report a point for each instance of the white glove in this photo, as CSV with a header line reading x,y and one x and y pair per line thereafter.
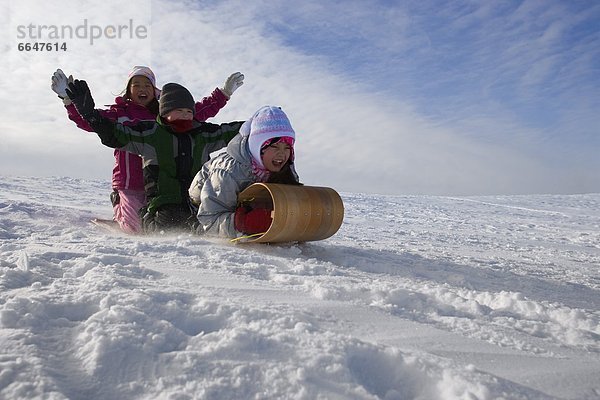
x,y
234,81
60,83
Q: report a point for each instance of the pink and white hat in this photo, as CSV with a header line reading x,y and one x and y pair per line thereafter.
x,y
139,70
267,123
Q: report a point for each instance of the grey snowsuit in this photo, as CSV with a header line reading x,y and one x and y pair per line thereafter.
x,y
216,186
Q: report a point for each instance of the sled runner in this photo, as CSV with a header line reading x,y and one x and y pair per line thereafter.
x,y
299,213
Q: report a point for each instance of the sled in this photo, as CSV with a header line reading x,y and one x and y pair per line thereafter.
x,y
299,213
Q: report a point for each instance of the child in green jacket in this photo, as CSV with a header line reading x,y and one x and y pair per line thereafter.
x,y
173,149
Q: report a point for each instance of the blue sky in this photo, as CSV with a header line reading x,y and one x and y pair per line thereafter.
x,y
520,58
407,97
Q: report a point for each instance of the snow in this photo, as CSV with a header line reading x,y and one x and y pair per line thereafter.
x,y
416,297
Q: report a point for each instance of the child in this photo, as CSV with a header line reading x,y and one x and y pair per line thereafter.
x,y
263,152
173,149
139,103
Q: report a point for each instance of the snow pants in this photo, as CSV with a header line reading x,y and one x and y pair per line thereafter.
x,y
126,207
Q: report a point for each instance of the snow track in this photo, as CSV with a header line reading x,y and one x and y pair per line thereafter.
x,y
416,297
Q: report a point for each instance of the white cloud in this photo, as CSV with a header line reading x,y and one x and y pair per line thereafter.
x,y
354,132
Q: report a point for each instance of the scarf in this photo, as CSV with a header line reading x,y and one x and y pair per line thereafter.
x,y
260,172
181,125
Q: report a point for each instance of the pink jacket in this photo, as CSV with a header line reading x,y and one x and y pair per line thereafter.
x,y
127,173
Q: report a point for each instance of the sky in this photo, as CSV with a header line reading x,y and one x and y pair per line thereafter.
x,y
455,298
407,97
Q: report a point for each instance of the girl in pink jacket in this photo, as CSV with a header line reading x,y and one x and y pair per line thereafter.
x,y
139,103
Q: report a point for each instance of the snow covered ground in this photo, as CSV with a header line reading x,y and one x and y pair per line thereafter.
x,y
416,297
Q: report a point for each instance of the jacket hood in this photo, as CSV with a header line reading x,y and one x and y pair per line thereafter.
x,y
122,103
238,149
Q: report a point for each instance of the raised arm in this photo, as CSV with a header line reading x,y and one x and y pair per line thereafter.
x,y
60,84
209,106
111,134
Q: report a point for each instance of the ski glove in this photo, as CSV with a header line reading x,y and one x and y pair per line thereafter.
x,y
79,93
232,83
257,220
60,83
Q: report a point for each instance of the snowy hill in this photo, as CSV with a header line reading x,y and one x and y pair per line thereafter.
x,y
416,297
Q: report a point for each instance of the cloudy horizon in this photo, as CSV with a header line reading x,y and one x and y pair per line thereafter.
x,y
453,98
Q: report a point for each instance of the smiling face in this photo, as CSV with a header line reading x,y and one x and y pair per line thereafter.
x,y
141,90
275,156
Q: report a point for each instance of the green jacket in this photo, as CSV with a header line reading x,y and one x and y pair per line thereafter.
x,y
170,159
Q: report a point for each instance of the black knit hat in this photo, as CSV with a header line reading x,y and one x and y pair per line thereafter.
x,y
174,96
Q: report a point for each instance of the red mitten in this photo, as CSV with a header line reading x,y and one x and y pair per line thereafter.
x,y
254,221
